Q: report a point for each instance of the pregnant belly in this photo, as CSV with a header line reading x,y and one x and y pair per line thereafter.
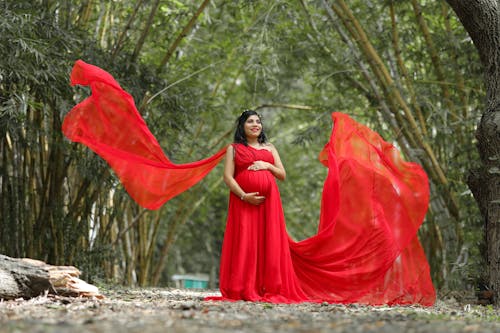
x,y
256,181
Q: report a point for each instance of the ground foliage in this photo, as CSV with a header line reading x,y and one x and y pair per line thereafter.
x,y
60,202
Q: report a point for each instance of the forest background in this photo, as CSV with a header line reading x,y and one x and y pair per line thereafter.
x,y
407,69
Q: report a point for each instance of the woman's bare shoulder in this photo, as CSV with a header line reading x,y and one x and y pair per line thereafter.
x,y
270,146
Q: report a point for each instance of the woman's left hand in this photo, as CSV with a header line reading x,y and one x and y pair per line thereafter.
x,y
259,165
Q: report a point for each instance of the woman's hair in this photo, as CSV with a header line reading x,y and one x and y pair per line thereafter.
x,y
239,134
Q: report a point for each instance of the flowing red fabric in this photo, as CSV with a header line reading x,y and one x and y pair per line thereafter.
x,y
366,249
108,123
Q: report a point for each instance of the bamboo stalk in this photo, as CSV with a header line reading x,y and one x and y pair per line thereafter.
x,y
145,31
4,204
14,192
104,26
436,62
110,232
152,242
141,252
100,18
85,12
129,251
57,253
42,217
34,210
118,45
462,92
127,254
24,193
31,184
183,34
146,246
404,71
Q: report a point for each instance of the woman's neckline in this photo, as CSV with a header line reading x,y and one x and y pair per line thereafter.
x,y
269,150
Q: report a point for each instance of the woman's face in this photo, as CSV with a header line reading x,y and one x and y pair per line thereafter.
x,y
253,127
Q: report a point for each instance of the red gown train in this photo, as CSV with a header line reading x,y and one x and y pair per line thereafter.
x,y
366,249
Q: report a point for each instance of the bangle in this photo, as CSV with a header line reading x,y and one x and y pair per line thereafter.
x,y
243,196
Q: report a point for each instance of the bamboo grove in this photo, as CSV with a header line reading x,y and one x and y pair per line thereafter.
x,y
406,68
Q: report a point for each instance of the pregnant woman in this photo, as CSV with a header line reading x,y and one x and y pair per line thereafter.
x,y
366,249
256,263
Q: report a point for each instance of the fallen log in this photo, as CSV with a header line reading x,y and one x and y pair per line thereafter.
x,y
27,278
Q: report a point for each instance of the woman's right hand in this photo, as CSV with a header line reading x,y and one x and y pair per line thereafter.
x,y
254,198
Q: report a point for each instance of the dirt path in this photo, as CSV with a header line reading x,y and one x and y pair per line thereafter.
x,y
174,310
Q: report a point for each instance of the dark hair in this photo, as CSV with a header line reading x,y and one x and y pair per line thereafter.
x,y
239,134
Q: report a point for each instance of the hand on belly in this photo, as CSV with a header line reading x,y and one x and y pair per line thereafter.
x,y
256,181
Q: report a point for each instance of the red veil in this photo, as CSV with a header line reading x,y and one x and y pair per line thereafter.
x,y
373,202
108,123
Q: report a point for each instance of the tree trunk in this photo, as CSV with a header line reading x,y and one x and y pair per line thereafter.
x,y
27,278
20,279
481,19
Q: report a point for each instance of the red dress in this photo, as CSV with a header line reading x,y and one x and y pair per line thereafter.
x,y
256,264
366,249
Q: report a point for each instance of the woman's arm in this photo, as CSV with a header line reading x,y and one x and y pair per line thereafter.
x,y
253,197
278,170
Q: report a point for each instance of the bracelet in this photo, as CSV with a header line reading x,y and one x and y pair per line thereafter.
x,y
243,196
